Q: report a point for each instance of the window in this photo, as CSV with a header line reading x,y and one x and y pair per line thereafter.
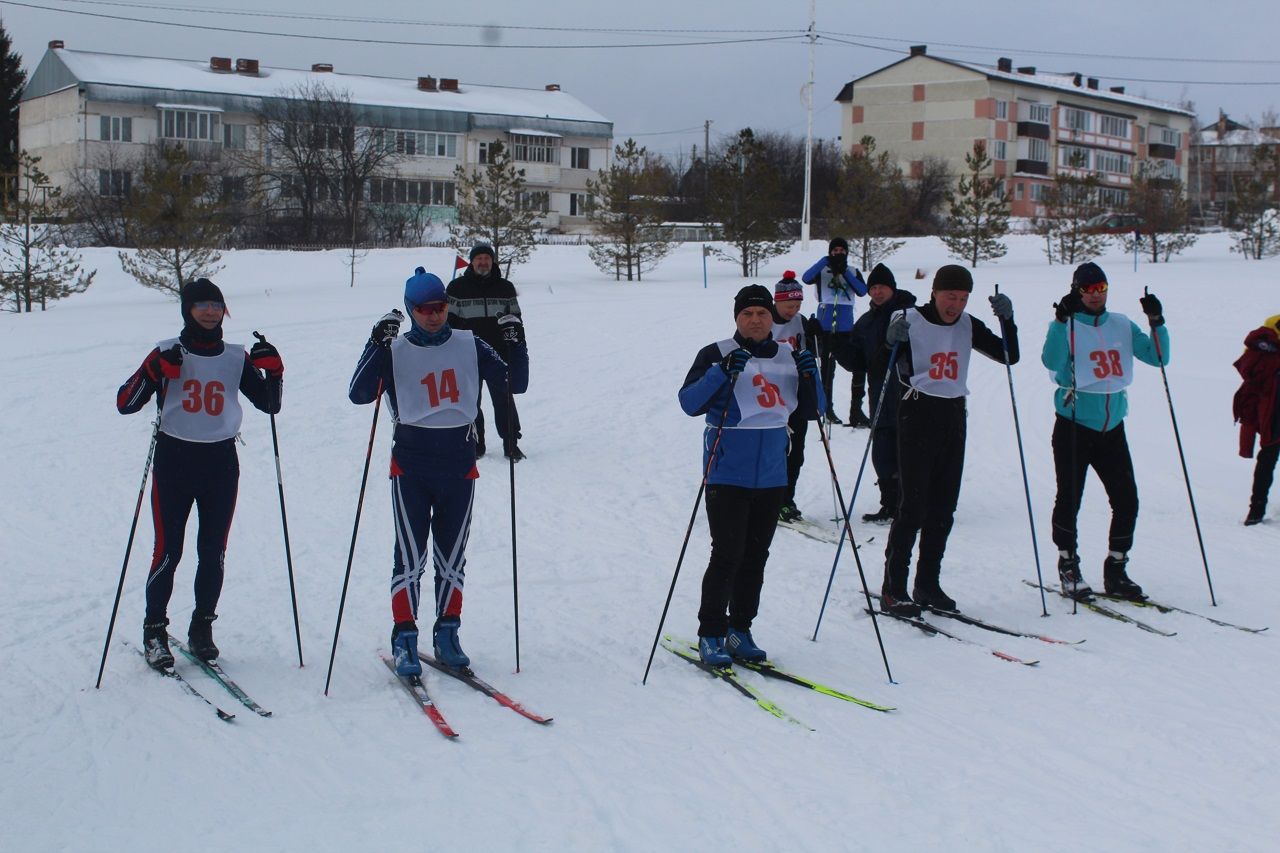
x,y
536,149
235,187
534,200
116,129
422,193
1107,161
1002,109
233,136
1039,192
1113,198
999,150
1038,113
579,158
1077,119
190,124
579,203
1114,126
1166,136
1142,133
1074,157
114,183
1038,150
417,143
1019,190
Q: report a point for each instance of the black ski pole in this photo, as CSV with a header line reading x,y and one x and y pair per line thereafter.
x,y
1022,459
511,460
711,458
848,530
284,522
1077,488
351,552
133,527
1182,459
875,419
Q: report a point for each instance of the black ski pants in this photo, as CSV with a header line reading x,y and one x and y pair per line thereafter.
x,y
1107,453
798,424
828,343
503,406
742,523
884,458
1263,473
931,440
186,473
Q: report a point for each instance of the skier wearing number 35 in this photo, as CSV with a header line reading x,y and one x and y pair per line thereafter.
x,y
431,376
196,377
1089,352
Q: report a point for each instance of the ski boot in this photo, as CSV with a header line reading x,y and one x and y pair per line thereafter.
x,y
1073,585
444,638
898,605
882,516
789,512
155,645
712,651
404,649
857,420
200,636
480,447
831,417
1115,581
740,645
1255,515
934,599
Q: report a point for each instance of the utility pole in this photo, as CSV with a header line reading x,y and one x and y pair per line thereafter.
x,y
808,140
706,160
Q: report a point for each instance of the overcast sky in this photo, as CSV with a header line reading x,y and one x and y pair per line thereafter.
x,y
662,95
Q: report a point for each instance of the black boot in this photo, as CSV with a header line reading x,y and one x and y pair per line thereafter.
x,y
1073,585
898,605
155,644
858,420
1255,515
882,516
200,636
934,598
1116,581
480,445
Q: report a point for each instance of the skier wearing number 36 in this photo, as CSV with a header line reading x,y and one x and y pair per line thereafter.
x,y
196,377
1089,352
431,376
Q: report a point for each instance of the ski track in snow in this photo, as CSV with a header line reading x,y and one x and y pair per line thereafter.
x,y
1128,742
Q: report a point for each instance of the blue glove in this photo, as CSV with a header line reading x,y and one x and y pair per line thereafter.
x,y
805,363
897,332
735,362
1002,306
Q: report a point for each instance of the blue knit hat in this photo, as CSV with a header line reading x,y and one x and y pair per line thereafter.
x,y
421,289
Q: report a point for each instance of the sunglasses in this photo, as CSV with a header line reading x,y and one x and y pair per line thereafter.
x,y
209,305
431,308
1098,287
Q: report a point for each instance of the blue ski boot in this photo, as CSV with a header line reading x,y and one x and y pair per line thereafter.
x,y
404,648
445,637
741,646
711,650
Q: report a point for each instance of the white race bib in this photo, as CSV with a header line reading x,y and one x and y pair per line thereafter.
x,y
436,387
790,332
767,390
940,355
1104,355
203,403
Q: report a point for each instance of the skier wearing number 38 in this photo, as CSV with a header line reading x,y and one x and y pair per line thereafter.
x,y
196,377
431,377
1089,352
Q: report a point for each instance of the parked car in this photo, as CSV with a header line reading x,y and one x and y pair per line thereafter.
x,y
1114,223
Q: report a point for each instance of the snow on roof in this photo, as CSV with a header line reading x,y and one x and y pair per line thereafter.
x,y
525,131
195,76
1241,136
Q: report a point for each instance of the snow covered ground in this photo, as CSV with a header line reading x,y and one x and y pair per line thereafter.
x,y
1130,741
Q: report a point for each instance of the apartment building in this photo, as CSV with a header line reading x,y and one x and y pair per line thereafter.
x,y
1222,155
96,112
1035,124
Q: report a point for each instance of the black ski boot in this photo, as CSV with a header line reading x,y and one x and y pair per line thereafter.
x,y
789,512
831,416
200,637
857,420
898,605
155,645
934,599
1073,585
1116,581
1255,515
882,516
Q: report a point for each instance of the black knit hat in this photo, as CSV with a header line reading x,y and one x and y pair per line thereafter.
x,y
481,249
953,277
751,296
838,241
200,290
880,274
1087,273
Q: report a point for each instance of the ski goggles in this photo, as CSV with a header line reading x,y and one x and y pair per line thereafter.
x,y
431,308
209,305
1096,287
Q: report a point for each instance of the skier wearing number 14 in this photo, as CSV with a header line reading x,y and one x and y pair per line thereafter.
x,y
431,376
196,377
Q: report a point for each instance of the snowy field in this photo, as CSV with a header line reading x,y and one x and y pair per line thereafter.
x,y
1131,741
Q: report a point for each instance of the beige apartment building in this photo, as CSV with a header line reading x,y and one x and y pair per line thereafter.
x,y
95,113
1035,124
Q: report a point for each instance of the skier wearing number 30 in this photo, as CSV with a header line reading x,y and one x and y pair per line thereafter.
x,y
432,377
1090,352
934,343
196,378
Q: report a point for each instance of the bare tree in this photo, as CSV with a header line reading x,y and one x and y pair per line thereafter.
x,y
494,207
98,195
1071,201
747,197
1257,221
627,212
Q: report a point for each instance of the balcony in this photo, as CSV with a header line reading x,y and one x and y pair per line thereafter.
x,y
1162,151
1031,167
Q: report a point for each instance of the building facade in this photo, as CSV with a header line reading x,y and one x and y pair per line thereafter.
x,y
93,115
1223,155
1035,125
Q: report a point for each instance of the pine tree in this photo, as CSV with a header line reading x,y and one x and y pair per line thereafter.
x,y
979,214
178,220
493,207
626,211
1071,202
746,201
12,80
35,265
1166,214
1257,220
867,204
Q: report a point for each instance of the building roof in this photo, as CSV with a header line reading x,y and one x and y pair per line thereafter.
x,y
1040,79
1240,136
61,68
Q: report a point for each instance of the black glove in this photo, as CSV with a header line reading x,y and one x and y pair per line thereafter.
x,y
166,364
837,264
735,362
265,356
1068,305
1153,309
1002,306
386,329
805,363
512,329
812,328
